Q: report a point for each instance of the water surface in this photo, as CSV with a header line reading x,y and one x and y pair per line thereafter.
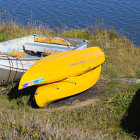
x,y
124,15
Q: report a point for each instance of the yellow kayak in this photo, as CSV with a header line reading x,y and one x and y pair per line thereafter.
x,y
71,86
61,66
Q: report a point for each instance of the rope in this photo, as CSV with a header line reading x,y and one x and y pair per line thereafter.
x,y
53,85
12,74
10,69
16,70
21,63
70,82
11,66
21,95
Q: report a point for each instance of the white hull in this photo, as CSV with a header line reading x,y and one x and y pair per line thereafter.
x,y
12,68
8,75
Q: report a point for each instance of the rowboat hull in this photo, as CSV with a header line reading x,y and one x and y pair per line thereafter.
x,y
13,67
8,76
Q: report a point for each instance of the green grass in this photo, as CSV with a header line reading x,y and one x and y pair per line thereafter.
x,y
103,119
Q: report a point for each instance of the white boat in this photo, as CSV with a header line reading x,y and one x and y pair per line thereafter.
x,y
18,55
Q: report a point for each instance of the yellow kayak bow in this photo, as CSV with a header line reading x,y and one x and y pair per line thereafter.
x,y
62,66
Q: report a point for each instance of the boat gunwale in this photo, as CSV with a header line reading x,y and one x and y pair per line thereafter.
x,y
13,68
18,58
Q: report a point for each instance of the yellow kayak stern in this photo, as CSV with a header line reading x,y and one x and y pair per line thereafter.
x,y
71,86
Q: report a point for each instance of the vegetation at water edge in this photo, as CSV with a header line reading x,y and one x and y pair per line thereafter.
x,y
114,114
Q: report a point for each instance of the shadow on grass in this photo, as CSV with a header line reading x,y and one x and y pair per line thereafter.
x,y
86,95
30,91
131,120
95,92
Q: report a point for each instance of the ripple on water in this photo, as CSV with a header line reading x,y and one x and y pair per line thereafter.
x,y
123,15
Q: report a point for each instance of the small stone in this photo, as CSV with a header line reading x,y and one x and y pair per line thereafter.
x,y
128,80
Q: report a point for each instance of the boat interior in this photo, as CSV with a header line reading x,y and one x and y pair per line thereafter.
x,y
38,46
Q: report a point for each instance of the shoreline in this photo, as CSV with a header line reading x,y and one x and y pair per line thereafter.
x,y
114,105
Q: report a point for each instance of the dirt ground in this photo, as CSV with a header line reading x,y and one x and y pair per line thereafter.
x,y
83,99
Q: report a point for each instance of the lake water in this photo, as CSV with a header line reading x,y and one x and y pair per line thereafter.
x,y
124,15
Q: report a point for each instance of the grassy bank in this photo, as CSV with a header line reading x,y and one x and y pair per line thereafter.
x,y
122,57
114,114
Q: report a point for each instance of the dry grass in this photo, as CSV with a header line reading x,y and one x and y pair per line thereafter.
x,y
78,34
122,57
101,119
12,30
26,126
